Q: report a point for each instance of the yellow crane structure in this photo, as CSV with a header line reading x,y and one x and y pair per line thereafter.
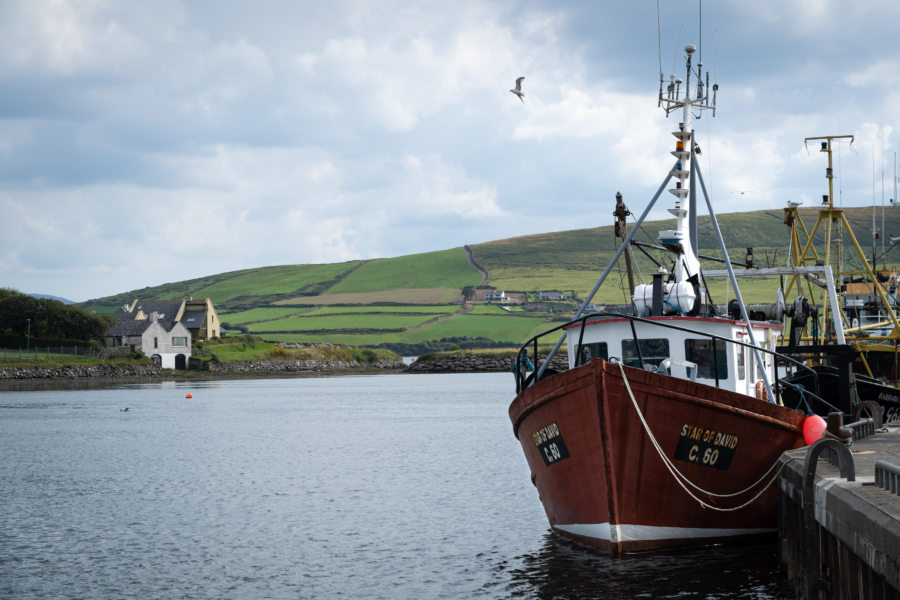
x,y
832,223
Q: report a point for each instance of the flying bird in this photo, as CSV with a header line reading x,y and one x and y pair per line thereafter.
x,y
518,89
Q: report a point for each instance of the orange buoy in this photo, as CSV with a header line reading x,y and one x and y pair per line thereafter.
x,y
813,428
188,395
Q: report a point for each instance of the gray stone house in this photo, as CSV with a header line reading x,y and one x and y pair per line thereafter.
x,y
168,343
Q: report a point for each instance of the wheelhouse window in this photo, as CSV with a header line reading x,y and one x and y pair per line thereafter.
x,y
741,369
653,352
179,341
592,351
700,352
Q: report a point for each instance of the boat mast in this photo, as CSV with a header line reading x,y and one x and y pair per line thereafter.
x,y
680,240
621,231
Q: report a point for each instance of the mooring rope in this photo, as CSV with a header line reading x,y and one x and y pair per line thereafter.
x,y
681,478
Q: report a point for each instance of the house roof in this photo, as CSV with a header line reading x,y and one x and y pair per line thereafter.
x,y
166,309
193,318
128,327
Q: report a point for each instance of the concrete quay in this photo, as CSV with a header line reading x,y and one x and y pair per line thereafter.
x,y
839,515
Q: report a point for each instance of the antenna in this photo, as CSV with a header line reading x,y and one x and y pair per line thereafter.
x,y
677,46
715,72
659,48
674,99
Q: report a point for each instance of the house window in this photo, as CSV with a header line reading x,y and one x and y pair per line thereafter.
x,y
179,341
700,353
156,342
653,351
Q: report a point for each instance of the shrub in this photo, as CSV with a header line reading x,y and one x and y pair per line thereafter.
x,y
278,353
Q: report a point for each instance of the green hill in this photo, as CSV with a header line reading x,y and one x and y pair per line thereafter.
x,y
418,302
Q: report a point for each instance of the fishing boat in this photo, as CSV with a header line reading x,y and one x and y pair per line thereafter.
x,y
857,360
665,429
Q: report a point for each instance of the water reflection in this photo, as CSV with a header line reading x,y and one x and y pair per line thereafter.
x,y
563,569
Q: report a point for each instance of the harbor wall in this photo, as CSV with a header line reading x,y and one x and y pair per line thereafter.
x,y
840,532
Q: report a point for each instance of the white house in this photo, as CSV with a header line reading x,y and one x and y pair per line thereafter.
x,y
167,343
552,295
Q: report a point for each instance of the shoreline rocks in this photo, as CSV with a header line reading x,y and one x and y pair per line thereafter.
x,y
299,366
474,363
81,372
453,363
262,367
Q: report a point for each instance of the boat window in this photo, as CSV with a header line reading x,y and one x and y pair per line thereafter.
x,y
740,363
653,351
700,352
592,351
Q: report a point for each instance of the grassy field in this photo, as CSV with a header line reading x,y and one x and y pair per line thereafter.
x,y
396,310
350,339
246,347
436,295
446,268
51,359
227,289
502,328
257,315
418,299
342,322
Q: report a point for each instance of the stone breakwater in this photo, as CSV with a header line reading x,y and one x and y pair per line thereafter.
x,y
301,366
259,367
80,372
474,363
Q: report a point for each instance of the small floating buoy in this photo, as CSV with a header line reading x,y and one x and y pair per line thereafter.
x,y
813,428
188,395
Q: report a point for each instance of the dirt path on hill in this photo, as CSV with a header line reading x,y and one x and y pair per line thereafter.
x,y
475,265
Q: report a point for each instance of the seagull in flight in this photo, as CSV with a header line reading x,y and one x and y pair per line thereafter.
x,y
518,89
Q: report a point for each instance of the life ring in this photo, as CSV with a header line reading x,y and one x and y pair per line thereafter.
x,y
761,390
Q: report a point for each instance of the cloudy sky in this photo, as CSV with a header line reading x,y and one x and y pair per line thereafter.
x,y
148,142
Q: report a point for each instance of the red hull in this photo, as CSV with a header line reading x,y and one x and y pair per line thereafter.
x,y
603,482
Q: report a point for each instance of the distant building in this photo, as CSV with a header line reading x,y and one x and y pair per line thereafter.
x,y
493,295
552,295
481,292
198,316
167,343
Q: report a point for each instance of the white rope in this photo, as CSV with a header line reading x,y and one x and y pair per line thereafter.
x,y
680,476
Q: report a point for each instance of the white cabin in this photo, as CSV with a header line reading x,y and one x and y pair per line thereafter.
x,y
683,354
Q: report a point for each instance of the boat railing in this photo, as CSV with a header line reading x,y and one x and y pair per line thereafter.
x,y
525,380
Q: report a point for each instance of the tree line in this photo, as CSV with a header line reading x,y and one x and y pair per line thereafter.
x,y
47,321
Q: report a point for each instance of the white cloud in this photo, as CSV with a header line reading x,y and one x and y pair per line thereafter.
x,y
440,190
303,132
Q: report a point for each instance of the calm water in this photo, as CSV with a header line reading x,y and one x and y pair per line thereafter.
x,y
387,486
